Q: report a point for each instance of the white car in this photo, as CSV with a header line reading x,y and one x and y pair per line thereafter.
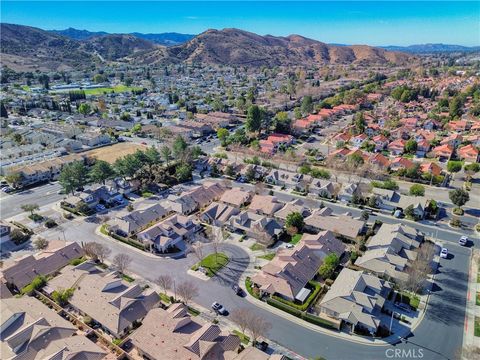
x,y
289,246
463,240
444,253
218,308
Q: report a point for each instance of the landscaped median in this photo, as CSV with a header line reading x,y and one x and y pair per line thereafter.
x,y
212,263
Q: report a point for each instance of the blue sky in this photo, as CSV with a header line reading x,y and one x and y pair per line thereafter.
x,y
357,22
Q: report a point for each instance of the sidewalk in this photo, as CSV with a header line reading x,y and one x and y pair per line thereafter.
x,y
472,310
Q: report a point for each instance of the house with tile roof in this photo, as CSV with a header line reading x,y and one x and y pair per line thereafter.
x,y
356,299
107,299
21,271
469,153
443,152
30,330
173,334
291,269
390,251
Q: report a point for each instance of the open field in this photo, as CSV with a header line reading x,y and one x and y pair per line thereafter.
x,y
98,91
113,152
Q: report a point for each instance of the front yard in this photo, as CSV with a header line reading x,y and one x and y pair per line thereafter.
x,y
212,263
477,326
409,298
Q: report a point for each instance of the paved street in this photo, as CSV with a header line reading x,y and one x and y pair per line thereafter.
x,y
41,195
444,316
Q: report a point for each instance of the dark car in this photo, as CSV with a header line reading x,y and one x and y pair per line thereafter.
x,y
261,345
237,289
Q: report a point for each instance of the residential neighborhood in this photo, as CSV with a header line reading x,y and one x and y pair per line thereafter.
x,y
223,194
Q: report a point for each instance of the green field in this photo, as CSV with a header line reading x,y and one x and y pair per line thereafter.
x,y
103,90
269,256
212,263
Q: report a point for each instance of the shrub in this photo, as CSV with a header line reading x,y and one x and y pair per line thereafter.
x,y
61,297
87,320
77,261
40,243
18,236
35,217
458,211
455,223
417,190
50,223
37,283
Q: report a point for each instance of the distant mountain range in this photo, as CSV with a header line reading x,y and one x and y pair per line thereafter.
x,y
166,39
27,48
432,48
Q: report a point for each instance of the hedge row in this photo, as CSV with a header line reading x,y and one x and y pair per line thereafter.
x,y
302,315
306,304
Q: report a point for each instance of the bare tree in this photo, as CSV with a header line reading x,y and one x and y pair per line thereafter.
x,y
241,316
257,327
165,282
187,290
197,250
122,261
216,239
96,251
420,268
40,243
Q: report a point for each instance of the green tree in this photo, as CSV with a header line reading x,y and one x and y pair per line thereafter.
x,y
61,296
127,166
459,197
72,176
179,146
282,123
417,190
329,265
183,172
254,119
409,212
84,109
17,137
411,146
166,154
98,78
295,220
101,171
307,105
222,135
474,167
136,128
14,178
455,106
31,208
454,166
359,123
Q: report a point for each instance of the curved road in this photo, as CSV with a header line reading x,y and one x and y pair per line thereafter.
x,y
438,336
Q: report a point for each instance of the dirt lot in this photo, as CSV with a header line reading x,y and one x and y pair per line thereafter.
x,y
113,152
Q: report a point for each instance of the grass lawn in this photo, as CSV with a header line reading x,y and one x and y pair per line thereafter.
x,y
243,338
213,263
267,256
478,299
296,238
117,89
478,277
256,247
409,298
477,326
193,312
165,298
127,278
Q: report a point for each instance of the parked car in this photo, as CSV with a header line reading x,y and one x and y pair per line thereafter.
x,y
261,345
444,253
219,309
237,289
289,246
99,207
463,240
7,189
403,306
